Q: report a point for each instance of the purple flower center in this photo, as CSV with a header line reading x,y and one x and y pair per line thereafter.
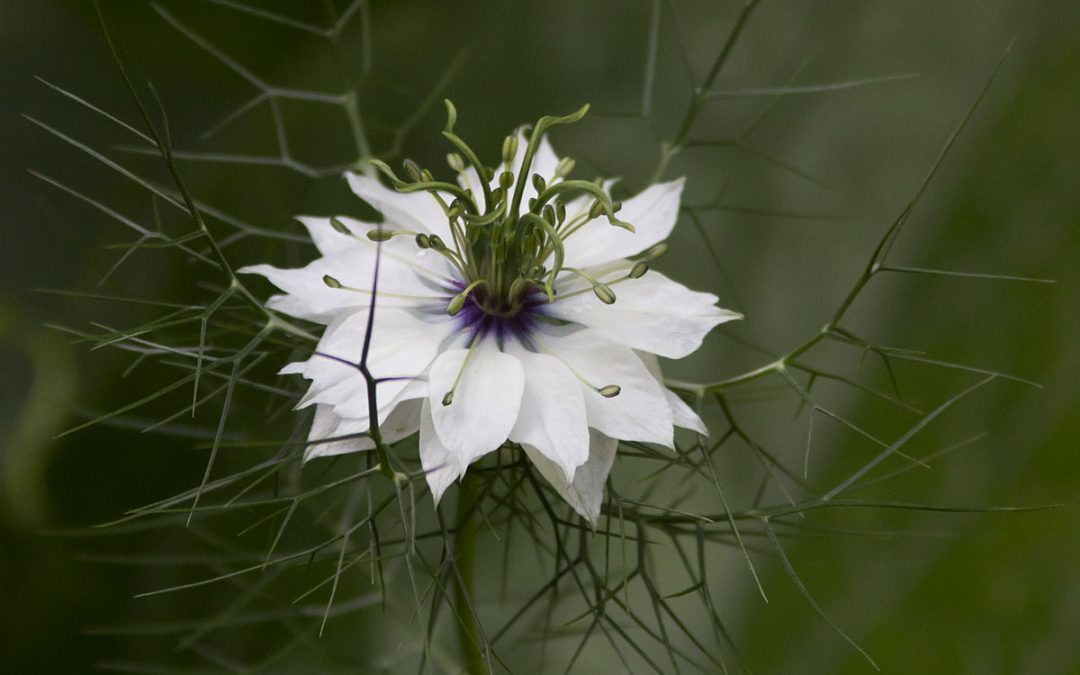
x,y
484,315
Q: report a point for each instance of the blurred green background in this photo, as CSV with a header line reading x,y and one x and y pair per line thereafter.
x,y
987,594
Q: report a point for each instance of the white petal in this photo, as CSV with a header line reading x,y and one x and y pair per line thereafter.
x,y
652,212
402,422
639,412
417,211
552,416
586,493
327,238
405,279
403,345
441,466
682,415
486,399
652,313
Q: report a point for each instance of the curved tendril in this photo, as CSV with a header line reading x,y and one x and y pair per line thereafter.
x,y
421,186
542,126
470,156
584,186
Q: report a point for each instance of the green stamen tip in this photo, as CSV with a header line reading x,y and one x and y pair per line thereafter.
x,y
565,166
509,149
331,281
604,292
639,270
340,227
423,241
596,210
380,234
610,391
448,397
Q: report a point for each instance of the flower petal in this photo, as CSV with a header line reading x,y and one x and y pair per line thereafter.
x,y
441,466
487,385
403,345
402,422
408,278
682,415
639,412
552,416
417,211
586,492
652,212
652,313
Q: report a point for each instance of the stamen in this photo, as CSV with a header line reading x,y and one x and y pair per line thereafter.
x,y
333,282
458,301
607,391
448,397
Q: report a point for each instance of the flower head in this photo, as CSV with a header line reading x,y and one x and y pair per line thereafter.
x,y
513,305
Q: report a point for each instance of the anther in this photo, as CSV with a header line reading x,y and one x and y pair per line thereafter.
x,y
596,210
331,281
565,166
509,149
456,162
538,182
458,301
448,397
506,180
412,168
380,234
610,391
604,292
423,241
340,227
639,269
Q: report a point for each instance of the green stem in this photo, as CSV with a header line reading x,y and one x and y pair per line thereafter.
x,y
465,548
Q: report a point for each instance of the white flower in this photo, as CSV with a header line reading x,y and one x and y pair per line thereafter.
x,y
538,329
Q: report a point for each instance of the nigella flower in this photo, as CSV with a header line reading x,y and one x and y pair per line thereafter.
x,y
515,305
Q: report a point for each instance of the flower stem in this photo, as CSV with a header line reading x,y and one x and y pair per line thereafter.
x,y
465,548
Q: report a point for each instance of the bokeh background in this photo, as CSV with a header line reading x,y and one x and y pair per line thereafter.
x,y
980,594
